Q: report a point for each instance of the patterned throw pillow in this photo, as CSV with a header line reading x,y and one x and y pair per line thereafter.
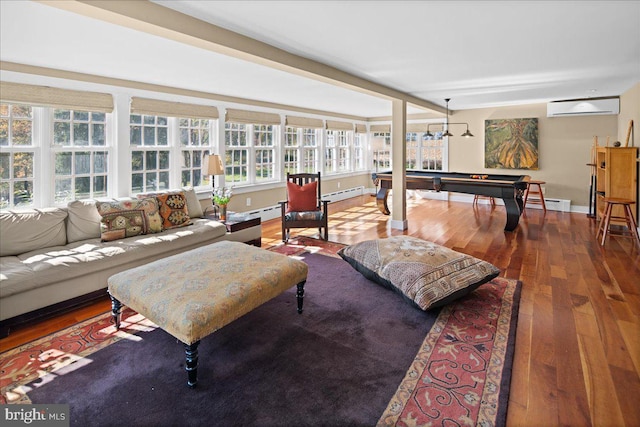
x,y
427,274
173,209
120,224
148,205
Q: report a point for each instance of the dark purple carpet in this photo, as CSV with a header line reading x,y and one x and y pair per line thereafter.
x,y
336,364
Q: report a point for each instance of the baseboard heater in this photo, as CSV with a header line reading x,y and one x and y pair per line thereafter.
x,y
271,212
561,205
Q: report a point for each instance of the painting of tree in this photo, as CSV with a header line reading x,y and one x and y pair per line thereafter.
x,y
511,144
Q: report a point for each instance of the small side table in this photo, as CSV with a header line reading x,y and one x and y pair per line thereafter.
x,y
238,221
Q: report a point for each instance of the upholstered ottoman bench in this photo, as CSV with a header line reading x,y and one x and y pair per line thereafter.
x,y
197,292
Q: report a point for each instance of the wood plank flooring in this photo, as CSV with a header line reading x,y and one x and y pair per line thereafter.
x,y
577,358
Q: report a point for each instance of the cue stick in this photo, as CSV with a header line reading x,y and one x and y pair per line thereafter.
x,y
626,142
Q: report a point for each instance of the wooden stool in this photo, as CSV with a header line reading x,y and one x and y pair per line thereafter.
x,y
478,197
605,221
538,198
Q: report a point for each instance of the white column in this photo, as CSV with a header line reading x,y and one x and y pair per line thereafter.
x,y
399,160
122,164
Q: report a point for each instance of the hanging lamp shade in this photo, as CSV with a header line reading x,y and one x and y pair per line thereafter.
x,y
467,134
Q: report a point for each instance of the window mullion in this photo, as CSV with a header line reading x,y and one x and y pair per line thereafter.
x,y
44,156
175,152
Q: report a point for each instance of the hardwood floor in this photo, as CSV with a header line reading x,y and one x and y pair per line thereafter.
x,y
577,358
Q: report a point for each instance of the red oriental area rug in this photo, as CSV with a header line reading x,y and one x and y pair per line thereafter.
x,y
460,376
462,372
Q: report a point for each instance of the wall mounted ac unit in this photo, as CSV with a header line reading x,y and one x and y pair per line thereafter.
x,y
583,107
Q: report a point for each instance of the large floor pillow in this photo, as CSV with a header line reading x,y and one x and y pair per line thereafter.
x,y
427,274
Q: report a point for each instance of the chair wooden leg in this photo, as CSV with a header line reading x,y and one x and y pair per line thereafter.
x,y
631,223
605,222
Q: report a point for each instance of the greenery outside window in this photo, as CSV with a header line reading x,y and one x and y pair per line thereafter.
x,y
194,143
310,156
150,153
264,152
17,155
81,157
236,154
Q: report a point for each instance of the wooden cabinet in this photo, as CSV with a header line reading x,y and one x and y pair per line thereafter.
x,y
616,176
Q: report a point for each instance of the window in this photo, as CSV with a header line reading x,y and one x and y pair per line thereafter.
x,y
17,152
432,152
424,152
236,154
412,150
382,158
310,156
330,157
291,150
150,154
358,151
264,152
301,150
80,155
344,151
194,141
250,160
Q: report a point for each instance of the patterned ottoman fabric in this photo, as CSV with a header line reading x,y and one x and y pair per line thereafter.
x,y
195,293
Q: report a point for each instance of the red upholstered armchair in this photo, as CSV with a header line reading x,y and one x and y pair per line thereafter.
x,y
304,207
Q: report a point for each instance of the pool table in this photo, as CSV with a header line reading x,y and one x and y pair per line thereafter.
x,y
510,188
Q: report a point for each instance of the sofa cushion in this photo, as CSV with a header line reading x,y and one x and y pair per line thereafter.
x,y
427,274
120,224
83,221
194,208
193,204
24,231
149,205
173,209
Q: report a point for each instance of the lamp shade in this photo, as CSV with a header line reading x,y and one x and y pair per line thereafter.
x,y
212,165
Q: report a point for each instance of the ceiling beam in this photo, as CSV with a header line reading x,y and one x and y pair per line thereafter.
x,y
165,22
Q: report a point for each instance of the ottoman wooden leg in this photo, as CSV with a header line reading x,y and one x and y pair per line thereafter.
x,y
116,306
191,350
300,296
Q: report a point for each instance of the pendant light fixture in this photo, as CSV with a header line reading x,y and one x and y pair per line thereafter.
x,y
446,125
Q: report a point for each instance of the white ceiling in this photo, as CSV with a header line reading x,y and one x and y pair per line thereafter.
x,y
479,53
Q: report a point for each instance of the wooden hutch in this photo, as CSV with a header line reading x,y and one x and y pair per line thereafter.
x,y
616,176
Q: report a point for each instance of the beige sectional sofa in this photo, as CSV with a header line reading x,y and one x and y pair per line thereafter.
x,y
52,259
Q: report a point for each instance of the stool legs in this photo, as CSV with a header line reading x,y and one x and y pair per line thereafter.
x,y
539,200
631,223
605,221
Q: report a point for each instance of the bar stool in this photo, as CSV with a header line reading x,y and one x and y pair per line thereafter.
x,y
478,197
538,198
605,221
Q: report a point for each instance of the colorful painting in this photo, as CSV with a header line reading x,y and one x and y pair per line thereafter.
x,y
511,144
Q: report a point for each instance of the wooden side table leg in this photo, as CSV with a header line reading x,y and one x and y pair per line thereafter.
x,y
191,351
